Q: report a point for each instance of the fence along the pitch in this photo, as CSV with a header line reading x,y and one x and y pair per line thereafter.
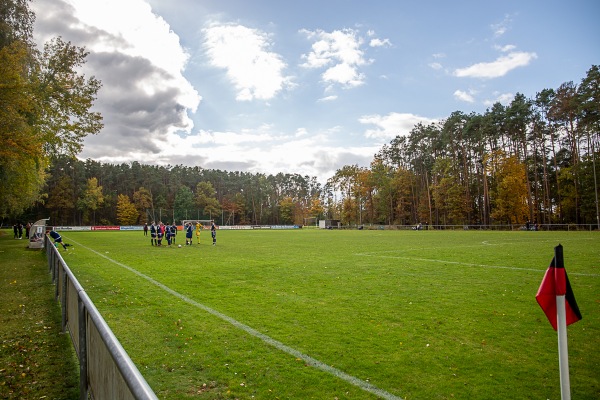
x,y
105,369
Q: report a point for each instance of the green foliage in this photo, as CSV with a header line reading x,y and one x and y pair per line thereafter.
x,y
61,199
22,165
589,100
91,200
448,193
44,106
286,211
206,199
65,97
184,203
16,22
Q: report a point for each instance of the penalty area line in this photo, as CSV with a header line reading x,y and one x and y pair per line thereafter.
x,y
366,386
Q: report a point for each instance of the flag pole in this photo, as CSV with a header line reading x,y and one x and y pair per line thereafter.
x,y
561,322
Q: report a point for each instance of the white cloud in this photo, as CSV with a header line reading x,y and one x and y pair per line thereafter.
x,y
506,48
340,53
303,152
379,42
327,98
139,60
497,68
344,73
502,27
464,96
502,98
301,132
435,65
256,72
392,125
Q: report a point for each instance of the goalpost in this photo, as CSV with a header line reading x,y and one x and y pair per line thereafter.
x,y
197,226
310,221
205,223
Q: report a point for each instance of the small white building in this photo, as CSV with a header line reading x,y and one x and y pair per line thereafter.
x,y
330,224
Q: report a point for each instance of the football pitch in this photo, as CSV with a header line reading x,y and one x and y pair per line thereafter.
x,y
322,314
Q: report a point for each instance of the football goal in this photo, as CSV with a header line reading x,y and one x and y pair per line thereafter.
x,y
205,223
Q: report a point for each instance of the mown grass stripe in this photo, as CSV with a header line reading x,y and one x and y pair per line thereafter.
x,y
541,271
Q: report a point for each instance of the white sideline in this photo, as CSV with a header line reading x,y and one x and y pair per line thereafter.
x,y
366,386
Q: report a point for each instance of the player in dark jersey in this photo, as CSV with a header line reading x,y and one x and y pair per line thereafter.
x,y
57,239
153,241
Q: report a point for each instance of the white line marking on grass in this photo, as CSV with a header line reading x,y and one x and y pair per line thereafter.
x,y
468,264
366,386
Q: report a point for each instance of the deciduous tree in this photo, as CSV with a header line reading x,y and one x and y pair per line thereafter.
x,y
142,199
45,106
206,199
90,200
510,191
126,212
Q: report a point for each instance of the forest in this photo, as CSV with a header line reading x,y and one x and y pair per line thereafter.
x,y
531,160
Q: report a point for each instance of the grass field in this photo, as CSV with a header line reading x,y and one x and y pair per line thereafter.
x,y
318,314
37,361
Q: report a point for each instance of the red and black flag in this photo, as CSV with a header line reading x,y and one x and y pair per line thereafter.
x,y
556,283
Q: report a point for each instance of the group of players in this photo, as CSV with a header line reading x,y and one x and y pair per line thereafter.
x,y
169,232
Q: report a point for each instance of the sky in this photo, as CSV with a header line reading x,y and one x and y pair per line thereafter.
x,y
306,87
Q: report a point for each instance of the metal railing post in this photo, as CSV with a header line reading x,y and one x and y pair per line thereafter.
x,y
63,303
83,367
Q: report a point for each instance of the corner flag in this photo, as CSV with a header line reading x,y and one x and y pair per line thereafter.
x,y
556,283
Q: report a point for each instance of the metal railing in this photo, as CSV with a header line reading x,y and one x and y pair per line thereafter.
x,y
495,227
105,369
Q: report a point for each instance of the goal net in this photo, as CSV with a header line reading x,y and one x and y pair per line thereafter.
x,y
205,223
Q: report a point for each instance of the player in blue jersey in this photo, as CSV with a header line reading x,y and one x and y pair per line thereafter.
x,y
57,239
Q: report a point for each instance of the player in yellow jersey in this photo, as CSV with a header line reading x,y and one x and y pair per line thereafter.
x,y
199,227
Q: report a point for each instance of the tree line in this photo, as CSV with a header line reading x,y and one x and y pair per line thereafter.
x,y
531,160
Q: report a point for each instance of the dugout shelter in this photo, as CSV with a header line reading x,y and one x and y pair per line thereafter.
x,y
37,233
